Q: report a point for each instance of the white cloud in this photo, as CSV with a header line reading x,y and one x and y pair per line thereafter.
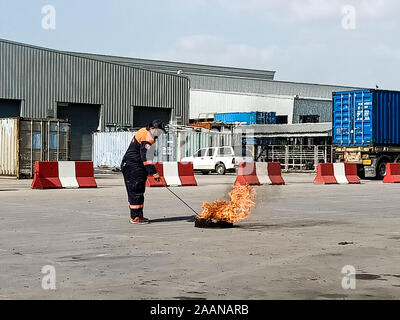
x,y
309,45
294,11
208,49
311,62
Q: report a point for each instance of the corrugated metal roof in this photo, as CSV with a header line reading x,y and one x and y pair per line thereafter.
x,y
185,68
265,87
216,78
84,56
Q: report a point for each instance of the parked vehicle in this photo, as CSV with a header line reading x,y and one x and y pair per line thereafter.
x,y
218,159
366,129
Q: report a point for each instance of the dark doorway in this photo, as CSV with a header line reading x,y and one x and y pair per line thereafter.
x,y
142,116
84,120
10,108
281,119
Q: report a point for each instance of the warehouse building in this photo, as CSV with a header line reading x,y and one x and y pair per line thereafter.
x,y
94,95
106,93
224,89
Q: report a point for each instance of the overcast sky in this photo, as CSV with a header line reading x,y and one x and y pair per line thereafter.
x,y
303,40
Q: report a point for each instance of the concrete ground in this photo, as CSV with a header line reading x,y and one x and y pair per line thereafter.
x,y
288,249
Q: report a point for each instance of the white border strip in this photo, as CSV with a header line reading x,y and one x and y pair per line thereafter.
x,y
171,174
262,173
340,173
67,174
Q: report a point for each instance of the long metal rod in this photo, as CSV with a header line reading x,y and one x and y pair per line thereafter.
x,y
181,200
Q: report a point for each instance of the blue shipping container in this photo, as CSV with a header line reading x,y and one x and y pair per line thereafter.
x,y
244,117
366,118
270,118
260,117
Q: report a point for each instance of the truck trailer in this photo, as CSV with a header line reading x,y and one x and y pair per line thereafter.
x,y
366,130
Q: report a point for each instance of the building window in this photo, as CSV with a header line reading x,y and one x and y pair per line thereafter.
x,y
309,119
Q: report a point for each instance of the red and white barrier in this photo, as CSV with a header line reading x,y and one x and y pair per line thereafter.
x,y
392,173
262,173
258,173
247,174
351,173
66,174
186,174
151,182
177,174
171,174
63,174
337,173
274,172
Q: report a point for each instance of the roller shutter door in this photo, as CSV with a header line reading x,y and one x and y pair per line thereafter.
x,y
84,120
10,108
142,116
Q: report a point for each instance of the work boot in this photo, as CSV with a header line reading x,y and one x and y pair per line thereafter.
x,y
139,220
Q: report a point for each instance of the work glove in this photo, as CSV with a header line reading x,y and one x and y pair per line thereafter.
x,y
157,177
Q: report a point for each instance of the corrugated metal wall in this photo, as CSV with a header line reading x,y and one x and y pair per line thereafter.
x,y
110,147
266,87
322,108
8,147
42,77
205,77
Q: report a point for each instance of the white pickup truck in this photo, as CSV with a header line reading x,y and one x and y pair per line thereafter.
x,y
218,159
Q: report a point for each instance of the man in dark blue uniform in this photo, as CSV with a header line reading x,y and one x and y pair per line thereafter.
x,y
136,166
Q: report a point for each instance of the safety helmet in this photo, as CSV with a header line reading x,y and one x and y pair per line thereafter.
x,y
158,124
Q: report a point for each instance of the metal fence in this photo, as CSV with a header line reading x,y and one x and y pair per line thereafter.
x,y
190,142
110,147
296,157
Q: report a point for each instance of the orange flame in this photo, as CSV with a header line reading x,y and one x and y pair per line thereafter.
x,y
231,211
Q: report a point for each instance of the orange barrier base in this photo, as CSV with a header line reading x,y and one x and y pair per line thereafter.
x,y
325,174
392,173
151,182
46,176
352,173
247,174
186,174
275,173
84,172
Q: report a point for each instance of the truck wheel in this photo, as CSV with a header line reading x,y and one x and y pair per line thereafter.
x,y
381,169
361,171
220,169
205,172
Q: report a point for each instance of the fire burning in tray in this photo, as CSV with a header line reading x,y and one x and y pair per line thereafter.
x,y
222,214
